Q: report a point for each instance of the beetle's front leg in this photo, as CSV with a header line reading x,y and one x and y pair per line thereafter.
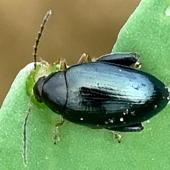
x,y
56,136
85,58
44,62
63,64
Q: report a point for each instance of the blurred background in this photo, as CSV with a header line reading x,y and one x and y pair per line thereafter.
x,y
76,26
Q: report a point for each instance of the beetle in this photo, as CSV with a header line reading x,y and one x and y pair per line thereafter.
x,y
108,92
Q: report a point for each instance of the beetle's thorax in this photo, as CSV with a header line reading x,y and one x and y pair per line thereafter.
x,y
54,91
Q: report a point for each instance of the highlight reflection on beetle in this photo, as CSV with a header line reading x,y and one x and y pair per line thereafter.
x,y
110,92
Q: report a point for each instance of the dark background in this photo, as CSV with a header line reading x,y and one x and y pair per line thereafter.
x,y
76,26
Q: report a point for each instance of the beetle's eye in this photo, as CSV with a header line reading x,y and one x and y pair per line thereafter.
x,y
38,88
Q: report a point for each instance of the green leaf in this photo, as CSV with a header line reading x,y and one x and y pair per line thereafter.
x,y
27,128
147,32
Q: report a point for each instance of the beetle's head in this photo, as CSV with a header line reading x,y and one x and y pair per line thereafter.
x,y
38,88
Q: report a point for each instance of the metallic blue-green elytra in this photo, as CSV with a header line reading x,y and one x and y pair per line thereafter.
x,y
107,93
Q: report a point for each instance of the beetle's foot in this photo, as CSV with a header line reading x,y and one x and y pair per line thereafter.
x,y
136,65
63,64
117,136
44,62
56,136
56,62
85,58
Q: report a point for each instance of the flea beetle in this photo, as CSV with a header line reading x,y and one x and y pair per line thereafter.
x,y
109,92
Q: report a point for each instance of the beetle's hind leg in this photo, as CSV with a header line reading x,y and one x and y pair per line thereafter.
x,y
85,58
131,128
124,59
136,65
128,128
117,136
56,136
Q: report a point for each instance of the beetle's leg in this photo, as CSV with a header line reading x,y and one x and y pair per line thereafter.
x,y
125,59
136,65
44,62
85,58
63,64
117,136
56,136
56,62
131,128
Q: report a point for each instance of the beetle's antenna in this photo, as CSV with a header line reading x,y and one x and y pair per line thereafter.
x,y
40,32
